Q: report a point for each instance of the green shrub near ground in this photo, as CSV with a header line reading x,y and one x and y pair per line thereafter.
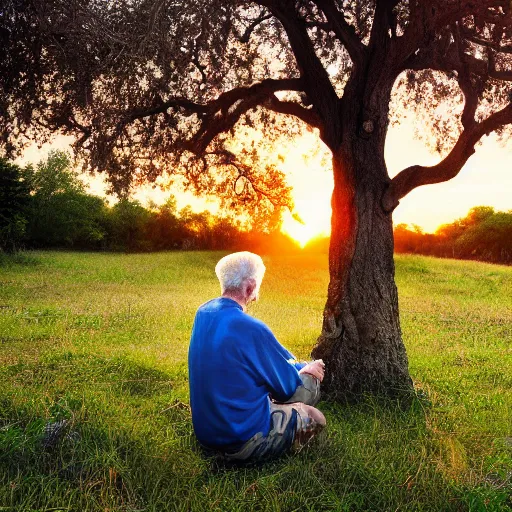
x,y
100,340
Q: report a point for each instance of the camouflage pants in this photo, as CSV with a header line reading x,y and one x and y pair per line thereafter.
x,y
291,427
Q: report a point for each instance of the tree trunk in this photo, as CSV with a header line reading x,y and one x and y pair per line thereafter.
x,y
361,340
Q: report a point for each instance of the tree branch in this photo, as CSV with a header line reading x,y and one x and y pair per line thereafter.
x,y
317,84
221,114
224,112
244,38
471,94
175,102
197,64
428,20
421,39
343,31
488,44
440,58
292,108
384,20
501,75
450,166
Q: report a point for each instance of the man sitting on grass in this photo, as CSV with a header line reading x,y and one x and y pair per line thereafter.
x,y
250,399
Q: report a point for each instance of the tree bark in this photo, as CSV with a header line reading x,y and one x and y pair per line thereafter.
x,y
361,341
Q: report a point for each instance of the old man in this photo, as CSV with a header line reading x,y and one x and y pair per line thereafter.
x,y
250,399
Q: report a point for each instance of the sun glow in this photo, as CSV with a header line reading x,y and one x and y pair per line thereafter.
x,y
307,166
303,233
484,180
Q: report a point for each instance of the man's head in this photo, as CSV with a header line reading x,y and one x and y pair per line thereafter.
x,y
240,275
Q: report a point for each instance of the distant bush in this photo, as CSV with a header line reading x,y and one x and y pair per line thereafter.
x,y
484,235
48,207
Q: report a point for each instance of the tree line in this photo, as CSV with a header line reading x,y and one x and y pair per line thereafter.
x,y
483,234
47,206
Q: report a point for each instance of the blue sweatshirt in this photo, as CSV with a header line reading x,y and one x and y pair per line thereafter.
x,y
234,363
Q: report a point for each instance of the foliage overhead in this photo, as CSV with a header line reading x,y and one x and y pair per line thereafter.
x,y
152,88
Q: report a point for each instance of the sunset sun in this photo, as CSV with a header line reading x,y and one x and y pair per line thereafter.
x,y
303,233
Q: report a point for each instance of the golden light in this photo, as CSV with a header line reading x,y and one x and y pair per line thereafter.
x,y
485,180
307,166
303,233
316,217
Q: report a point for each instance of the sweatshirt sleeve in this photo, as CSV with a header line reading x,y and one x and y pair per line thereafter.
x,y
273,366
297,364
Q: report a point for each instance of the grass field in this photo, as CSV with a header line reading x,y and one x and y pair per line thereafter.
x,y
101,341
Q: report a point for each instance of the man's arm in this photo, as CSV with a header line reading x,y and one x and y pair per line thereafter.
x,y
271,364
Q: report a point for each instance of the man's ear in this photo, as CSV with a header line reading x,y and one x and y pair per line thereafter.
x,y
250,286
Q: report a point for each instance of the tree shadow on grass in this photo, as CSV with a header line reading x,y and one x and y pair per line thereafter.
x,y
134,449
25,259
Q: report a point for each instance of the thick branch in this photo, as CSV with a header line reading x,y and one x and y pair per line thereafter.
x,y
449,167
344,31
223,113
383,21
317,84
175,102
470,92
294,109
443,59
501,75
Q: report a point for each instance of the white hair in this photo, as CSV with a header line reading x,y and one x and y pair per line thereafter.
x,y
234,269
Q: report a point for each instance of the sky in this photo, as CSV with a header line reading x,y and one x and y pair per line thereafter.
x,y
486,179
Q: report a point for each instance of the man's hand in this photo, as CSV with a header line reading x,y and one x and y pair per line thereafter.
x,y
316,369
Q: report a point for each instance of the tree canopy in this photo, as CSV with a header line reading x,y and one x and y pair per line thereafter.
x,y
152,88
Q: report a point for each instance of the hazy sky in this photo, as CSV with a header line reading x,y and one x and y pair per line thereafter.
x,y
486,179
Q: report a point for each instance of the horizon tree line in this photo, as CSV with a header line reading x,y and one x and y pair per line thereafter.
x,y
47,206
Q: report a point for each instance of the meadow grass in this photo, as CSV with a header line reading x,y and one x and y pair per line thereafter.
x,y
101,341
